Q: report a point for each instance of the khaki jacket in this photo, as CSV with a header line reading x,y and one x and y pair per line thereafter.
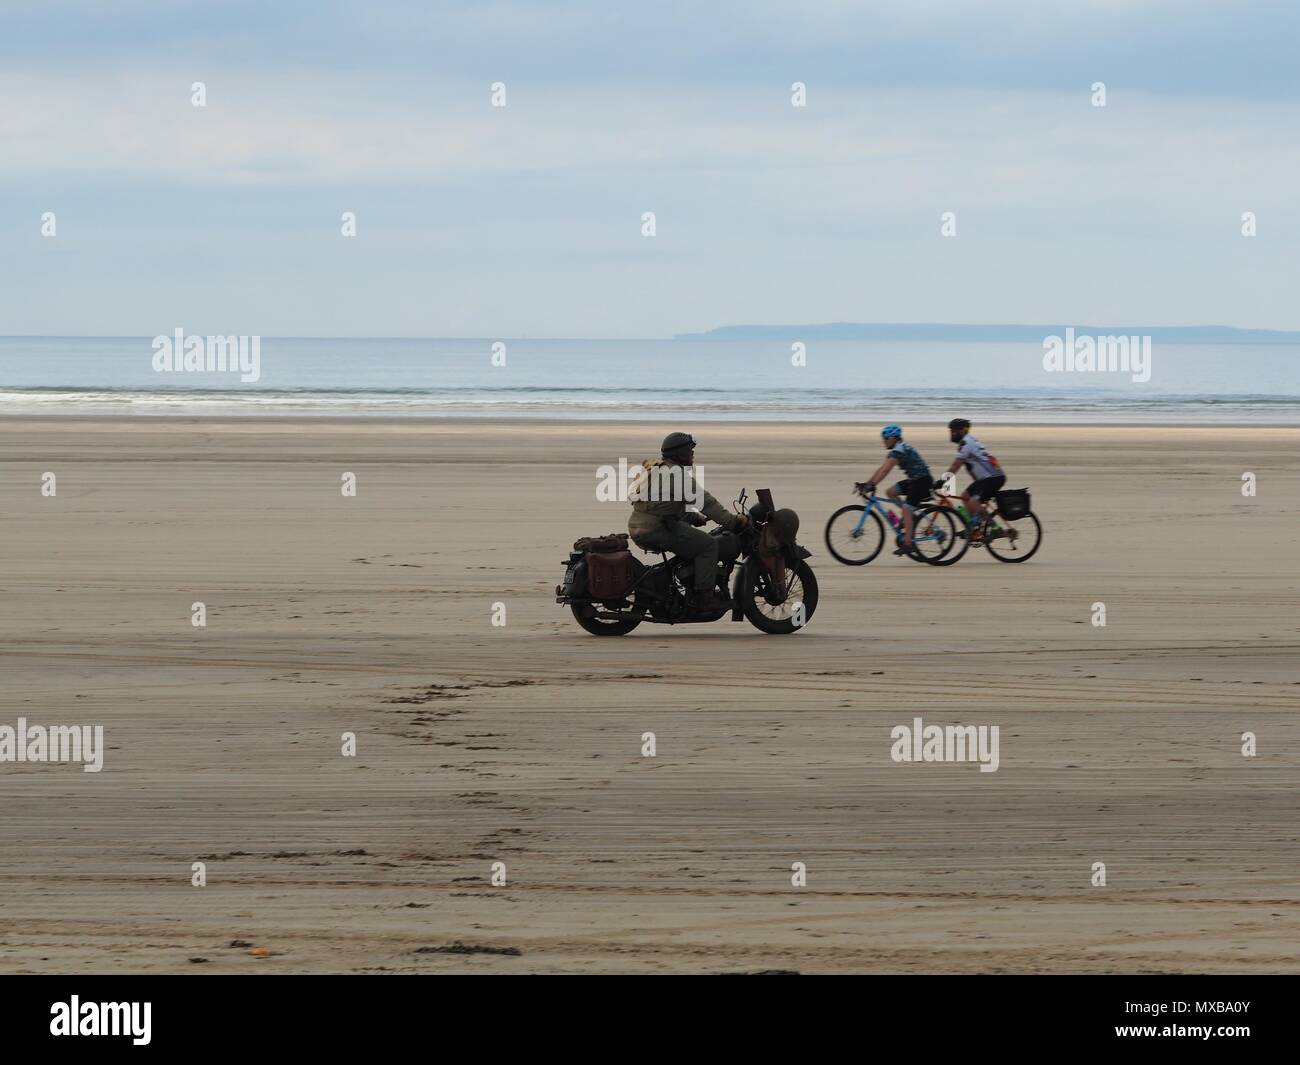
x,y
659,496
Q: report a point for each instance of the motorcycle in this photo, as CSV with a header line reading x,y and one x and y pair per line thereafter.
x,y
610,592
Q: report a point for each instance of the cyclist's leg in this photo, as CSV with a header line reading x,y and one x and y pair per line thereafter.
x,y
918,490
978,491
893,492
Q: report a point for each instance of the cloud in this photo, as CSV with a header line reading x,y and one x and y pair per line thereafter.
x,y
525,220
1222,47
938,149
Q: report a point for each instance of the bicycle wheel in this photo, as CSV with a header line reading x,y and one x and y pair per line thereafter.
x,y
1014,541
960,545
853,540
934,535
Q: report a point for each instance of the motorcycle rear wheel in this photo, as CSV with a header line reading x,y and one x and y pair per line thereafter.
x,y
603,626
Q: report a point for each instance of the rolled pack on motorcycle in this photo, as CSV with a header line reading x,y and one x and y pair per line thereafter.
x,y
610,591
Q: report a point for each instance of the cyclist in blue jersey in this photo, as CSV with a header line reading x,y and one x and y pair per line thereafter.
x,y
915,487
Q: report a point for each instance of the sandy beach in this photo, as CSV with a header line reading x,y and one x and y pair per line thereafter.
x,y
521,744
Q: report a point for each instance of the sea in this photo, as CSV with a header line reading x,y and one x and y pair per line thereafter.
x,y
692,379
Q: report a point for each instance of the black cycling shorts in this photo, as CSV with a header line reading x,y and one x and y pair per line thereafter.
x,y
916,490
986,487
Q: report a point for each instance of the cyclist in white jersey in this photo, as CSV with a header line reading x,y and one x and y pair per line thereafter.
x,y
987,475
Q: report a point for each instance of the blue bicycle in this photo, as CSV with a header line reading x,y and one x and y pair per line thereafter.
x,y
855,534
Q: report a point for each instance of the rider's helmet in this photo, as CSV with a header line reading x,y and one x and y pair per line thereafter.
x,y
894,432
677,446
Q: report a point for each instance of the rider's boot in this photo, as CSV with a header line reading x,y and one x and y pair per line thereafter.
x,y
707,600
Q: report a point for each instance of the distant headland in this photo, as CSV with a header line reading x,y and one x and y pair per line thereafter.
x,y
1169,334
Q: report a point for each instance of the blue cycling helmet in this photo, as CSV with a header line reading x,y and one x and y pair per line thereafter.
x,y
891,430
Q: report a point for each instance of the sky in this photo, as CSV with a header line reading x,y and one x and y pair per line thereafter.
x,y
527,220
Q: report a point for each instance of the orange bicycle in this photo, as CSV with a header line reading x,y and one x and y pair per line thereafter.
x,y
1010,531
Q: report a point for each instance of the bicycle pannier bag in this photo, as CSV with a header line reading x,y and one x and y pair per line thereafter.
x,y
1013,503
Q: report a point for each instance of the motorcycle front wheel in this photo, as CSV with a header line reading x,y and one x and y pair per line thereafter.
x,y
790,615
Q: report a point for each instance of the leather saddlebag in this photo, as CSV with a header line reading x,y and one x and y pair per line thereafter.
x,y
610,574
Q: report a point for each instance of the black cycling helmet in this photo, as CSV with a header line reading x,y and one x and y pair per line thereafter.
x,y
676,445
959,423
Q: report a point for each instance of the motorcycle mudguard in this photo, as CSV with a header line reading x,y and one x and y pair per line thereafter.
x,y
575,579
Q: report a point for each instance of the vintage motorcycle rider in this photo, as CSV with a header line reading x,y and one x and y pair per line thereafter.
x,y
661,522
